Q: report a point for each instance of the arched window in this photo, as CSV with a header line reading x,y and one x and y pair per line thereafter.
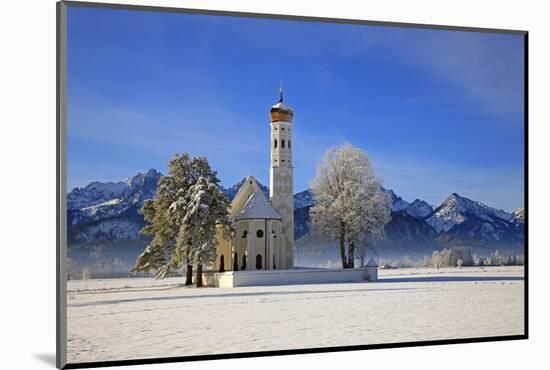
x,y
243,267
258,262
222,264
283,143
289,144
260,233
275,144
235,262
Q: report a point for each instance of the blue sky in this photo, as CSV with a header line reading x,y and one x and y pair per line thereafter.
x,y
437,111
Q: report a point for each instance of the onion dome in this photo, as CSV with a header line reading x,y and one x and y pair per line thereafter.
x,y
280,111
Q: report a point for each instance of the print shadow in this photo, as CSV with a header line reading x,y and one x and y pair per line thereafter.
x,y
46,358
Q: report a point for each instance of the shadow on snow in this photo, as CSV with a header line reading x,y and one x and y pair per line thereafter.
x,y
390,280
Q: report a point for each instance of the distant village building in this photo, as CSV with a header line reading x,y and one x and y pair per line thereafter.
x,y
264,238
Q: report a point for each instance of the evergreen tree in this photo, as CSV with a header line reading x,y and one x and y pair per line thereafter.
x,y
205,214
166,219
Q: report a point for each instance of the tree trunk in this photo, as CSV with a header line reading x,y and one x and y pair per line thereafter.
x,y
351,254
189,274
343,246
198,278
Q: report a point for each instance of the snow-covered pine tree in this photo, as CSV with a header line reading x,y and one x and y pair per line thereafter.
x,y
165,216
349,201
205,214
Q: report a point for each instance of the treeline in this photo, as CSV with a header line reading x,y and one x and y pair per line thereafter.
x,y
452,257
462,256
455,257
502,259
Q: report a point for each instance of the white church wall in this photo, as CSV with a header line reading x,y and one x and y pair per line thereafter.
x,y
283,277
240,243
258,227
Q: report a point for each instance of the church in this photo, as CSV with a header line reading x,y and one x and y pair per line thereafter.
x,y
264,237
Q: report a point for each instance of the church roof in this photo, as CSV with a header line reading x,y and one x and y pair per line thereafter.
x,y
280,111
281,106
257,207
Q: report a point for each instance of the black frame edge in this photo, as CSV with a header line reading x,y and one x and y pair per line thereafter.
x,y
160,360
526,178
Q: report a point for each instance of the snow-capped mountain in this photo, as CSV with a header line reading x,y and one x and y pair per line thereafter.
x,y
397,203
518,216
456,209
110,210
107,211
419,209
233,190
462,219
303,199
96,193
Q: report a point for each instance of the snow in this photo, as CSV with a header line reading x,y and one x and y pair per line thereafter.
x,y
101,193
397,203
518,216
122,319
281,106
453,210
92,210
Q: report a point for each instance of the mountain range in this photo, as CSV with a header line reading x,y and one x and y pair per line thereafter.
x,y
106,213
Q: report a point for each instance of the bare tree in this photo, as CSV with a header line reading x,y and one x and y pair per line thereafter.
x,y
349,202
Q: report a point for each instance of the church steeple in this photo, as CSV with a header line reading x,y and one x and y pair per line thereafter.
x,y
281,175
280,111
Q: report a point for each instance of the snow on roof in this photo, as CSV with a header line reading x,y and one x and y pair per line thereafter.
x,y
281,106
371,263
257,206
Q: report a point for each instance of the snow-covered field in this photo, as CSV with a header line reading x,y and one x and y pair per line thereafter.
x,y
120,319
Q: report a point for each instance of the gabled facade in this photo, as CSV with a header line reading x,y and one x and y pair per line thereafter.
x,y
257,243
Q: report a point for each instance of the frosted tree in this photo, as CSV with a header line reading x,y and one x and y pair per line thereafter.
x,y
349,202
165,217
437,259
205,215
369,225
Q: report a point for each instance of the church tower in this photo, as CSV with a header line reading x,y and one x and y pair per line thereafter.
x,y
281,174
